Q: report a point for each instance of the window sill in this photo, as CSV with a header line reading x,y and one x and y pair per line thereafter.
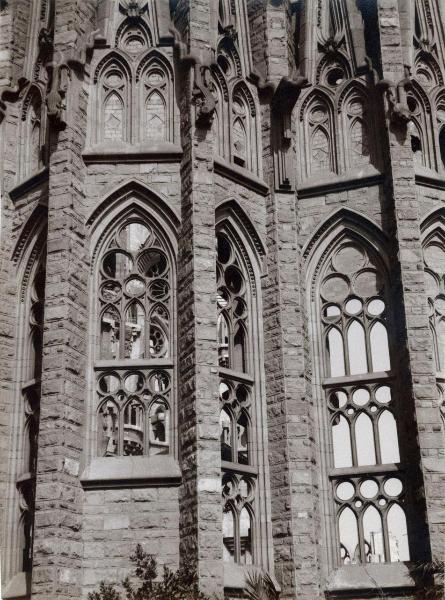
x,y
131,471
18,587
240,175
324,184
429,178
235,576
371,577
110,152
29,183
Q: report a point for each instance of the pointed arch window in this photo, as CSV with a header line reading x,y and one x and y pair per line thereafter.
x,y
244,130
319,133
154,78
365,470
240,405
134,369
33,138
113,101
356,119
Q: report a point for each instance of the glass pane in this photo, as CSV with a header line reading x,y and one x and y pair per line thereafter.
x,y
242,436
228,536
389,445
109,384
117,265
393,486
336,353
108,424
364,440
134,236
398,534
133,429
135,331
369,488
239,350
360,397
354,306
379,348
341,441
114,118
345,490
156,117
373,534
383,394
223,342
225,428
357,349
158,422
349,548
245,537
376,307
109,334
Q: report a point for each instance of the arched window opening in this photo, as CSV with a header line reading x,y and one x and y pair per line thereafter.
x,y
113,118
156,117
318,125
359,383
442,146
357,120
434,264
33,134
238,392
30,374
244,130
416,147
134,304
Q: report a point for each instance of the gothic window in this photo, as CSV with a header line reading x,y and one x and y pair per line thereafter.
x,y
113,102
434,258
30,391
134,368
133,38
366,474
33,136
319,133
237,399
418,129
155,87
440,124
356,116
244,130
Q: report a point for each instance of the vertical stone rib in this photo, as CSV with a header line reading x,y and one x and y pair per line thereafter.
x,y
416,359
198,404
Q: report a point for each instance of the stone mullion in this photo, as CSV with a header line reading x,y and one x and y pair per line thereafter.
x,y
58,551
198,399
417,361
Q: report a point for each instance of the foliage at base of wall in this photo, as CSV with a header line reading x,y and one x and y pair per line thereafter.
x,y
179,585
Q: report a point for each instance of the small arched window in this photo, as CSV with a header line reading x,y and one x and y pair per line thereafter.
x,y
33,138
357,376
154,78
113,98
356,121
317,119
244,130
134,372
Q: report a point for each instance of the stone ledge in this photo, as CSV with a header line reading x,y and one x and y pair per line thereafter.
x,y
30,183
125,153
235,576
131,471
366,177
18,587
240,175
429,178
370,577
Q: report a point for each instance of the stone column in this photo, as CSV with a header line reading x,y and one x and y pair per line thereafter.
x,y
57,571
418,397
293,495
198,402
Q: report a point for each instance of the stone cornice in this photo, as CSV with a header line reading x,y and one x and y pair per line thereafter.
x,y
131,153
241,176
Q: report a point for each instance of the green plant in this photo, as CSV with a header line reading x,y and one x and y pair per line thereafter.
x,y
179,585
433,571
259,586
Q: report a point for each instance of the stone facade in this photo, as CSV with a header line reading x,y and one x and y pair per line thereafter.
x,y
222,314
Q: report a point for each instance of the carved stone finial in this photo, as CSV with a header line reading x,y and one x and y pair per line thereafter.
x,y
133,8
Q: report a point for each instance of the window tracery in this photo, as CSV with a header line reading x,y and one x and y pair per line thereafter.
x,y
135,302
33,134
31,390
360,385
356,117
318,123
244,130
236,392
113,103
